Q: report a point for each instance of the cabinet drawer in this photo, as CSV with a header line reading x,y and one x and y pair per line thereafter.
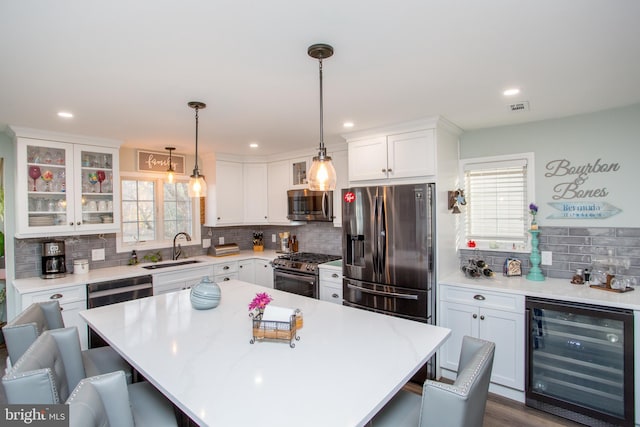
x,y
183,274
331,293
482,298
225,268
332,276
224,277
62,295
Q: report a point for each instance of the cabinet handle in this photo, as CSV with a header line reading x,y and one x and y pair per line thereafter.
x,y
334,295
226,278
71,223
384,170
475,316
226,267
218,217
479,297
265,266
265,217
241,266
78,223
334,275
56,296
482,317
389,170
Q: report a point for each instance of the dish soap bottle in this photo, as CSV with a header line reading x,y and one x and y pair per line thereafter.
x,y
134,258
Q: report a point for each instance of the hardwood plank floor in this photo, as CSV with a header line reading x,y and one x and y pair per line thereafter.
x,y
502,412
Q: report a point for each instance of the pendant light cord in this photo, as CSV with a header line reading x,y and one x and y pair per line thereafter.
x,y
196,171
321,111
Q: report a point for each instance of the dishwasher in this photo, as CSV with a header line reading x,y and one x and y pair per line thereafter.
x,y
113,292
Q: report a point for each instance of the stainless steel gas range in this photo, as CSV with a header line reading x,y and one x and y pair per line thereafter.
x,y
298,273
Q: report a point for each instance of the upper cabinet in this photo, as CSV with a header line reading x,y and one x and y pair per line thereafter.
x,y
255,193
66,184
339,159
278,184
402,155
229,194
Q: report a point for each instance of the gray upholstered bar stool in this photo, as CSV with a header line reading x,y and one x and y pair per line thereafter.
x,y
107,397
23,330
460,404
52,367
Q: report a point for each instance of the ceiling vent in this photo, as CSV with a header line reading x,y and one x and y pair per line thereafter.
x,y
519,106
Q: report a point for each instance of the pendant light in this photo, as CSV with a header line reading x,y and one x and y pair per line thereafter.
x,y
170,172
197,184
322,175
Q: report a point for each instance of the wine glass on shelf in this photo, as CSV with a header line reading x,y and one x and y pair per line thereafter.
x,y
93,180
101,177
47,176
34,174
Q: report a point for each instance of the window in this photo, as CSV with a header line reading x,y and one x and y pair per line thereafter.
x,y
498,191
153,211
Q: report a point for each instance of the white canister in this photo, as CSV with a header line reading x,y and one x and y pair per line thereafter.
x,y
80,266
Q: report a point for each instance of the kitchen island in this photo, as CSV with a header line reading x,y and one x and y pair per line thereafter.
x,y
346,366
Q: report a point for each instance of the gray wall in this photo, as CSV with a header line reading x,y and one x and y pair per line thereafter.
x,y
612,136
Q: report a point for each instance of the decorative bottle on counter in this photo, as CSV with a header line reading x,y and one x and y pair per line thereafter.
x,y
205,295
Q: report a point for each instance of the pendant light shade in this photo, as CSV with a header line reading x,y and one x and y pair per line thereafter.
x,y
322,175
197,184
170,172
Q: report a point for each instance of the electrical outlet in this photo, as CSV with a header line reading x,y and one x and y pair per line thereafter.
x,y
206,243
273,238
221,240
97,254
547,258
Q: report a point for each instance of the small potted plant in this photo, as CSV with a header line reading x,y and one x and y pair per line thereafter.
x,y
259,302
258,242
533,210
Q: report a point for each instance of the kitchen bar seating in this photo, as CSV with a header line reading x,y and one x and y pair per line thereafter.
x,y
23,330
106,397
52,367
460,404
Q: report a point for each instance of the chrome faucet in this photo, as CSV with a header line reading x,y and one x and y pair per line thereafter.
x,y
176,253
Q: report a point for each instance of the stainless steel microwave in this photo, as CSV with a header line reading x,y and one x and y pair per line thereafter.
x,y
307,205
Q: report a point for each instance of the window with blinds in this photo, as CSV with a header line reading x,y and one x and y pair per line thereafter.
x,y
497,192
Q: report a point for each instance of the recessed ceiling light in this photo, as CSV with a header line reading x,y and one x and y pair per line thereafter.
x,y
347,124
65,114
511,92
253,145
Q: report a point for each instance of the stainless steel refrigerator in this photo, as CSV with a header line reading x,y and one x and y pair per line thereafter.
x,y
388,250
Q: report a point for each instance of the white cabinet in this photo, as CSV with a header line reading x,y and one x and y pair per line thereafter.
x,y
402,155
182,279
278,184
247,270
339,159
255,193
298,170
492,316
229,197
330,285
264,273
66,187
72,300
225,271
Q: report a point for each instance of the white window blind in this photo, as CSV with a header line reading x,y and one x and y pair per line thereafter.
x,y
497,203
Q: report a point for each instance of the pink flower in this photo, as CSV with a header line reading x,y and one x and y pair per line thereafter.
x,y
260,301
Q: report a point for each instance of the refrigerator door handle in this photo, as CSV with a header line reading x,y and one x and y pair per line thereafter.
x,y
384,294
382,246
375,239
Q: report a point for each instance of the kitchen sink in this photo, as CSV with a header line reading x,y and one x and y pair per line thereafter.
x,y
170,264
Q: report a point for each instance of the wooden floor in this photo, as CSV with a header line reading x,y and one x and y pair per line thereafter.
x,y
502,412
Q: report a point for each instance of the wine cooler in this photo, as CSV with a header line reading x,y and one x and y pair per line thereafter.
x,y
580,362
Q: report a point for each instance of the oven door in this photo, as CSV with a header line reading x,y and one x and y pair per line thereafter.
x,y
297,283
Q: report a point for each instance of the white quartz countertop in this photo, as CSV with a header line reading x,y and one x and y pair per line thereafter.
x,y
559,289
34,284
347,364
332,265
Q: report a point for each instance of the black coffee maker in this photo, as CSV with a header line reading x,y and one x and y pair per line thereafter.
x,y
53,263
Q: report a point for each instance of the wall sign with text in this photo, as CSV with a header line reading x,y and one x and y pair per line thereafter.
x,y
577,195
149,161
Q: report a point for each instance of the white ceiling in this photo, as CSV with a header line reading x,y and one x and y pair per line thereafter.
x,y
127,69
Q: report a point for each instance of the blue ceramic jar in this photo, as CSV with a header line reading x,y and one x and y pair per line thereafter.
x,y
205,295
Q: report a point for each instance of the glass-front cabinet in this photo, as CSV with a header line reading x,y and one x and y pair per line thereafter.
x,y
66,188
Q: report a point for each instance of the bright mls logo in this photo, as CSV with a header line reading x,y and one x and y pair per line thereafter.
x,y
35,415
